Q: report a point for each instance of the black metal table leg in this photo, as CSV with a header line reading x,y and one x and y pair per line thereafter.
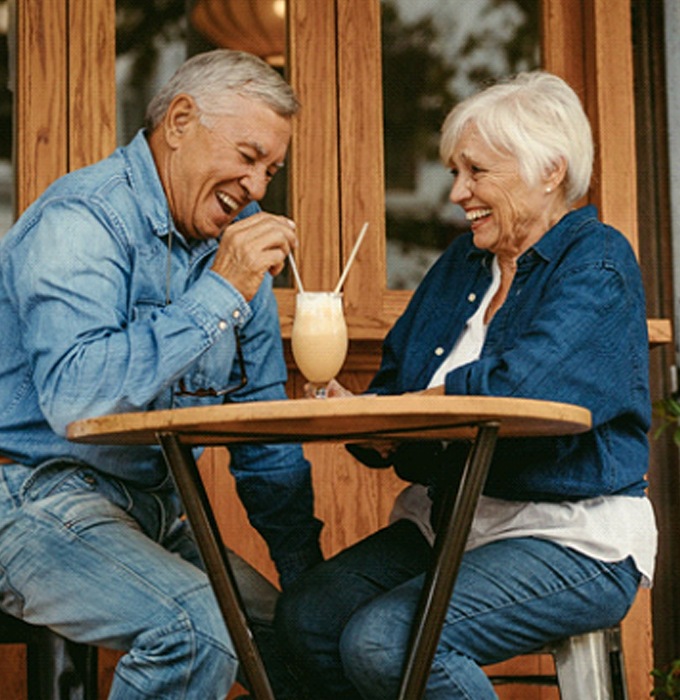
x,y
449,547
202,520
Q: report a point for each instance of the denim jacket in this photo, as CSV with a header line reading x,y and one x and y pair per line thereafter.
x,y
572,329
104,307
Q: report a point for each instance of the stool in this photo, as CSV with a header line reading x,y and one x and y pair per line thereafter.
x,y
56,668
586,666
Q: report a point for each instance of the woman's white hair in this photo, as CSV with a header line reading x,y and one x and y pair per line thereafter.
x,y
213,77
538,118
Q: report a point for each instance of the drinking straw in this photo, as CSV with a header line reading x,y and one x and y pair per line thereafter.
x,y
350,260
296,274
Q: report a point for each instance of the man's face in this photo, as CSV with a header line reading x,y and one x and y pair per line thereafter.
x,y
221,161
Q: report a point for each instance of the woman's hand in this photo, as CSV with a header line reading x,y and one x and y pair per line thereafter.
x,y
381,449
334,390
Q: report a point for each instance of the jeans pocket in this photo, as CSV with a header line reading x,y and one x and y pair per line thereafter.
x,y
57,476
76,494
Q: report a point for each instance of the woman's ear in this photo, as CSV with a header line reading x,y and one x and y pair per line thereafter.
x,y
556,174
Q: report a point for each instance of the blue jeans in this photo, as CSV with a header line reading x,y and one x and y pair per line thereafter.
x,y
105,565
346,622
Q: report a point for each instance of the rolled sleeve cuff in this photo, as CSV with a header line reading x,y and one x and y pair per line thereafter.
x,y
215,305
456,382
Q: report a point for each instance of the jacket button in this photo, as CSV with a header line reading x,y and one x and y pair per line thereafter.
x,y
439,351
471,297
223,325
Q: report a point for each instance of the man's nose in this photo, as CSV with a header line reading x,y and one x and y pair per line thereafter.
x,y
256,182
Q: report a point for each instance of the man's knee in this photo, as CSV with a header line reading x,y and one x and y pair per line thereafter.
x,y
190,654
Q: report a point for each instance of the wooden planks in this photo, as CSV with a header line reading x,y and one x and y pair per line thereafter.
x,y
40,101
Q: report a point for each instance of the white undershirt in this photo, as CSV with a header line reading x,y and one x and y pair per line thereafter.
x,y
609,528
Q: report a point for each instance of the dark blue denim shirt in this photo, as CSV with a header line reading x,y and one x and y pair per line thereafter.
x,y
86,274
572,329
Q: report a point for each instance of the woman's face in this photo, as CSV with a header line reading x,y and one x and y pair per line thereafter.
x,y
506,215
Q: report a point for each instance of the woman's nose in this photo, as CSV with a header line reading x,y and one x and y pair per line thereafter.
x,y
460,190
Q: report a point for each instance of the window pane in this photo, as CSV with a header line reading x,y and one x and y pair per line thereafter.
x,y
154,38
435,53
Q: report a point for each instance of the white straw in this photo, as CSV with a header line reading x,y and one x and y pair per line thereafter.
x,y
350,260
296,274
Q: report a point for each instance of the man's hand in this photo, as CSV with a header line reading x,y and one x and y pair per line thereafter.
x,y
252,247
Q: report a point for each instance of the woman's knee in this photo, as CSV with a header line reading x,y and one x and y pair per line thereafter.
x,y
373,645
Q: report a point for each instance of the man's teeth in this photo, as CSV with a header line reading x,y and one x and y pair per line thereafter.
x,y
477,214
227,201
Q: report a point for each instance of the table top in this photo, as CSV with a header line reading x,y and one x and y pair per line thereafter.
x,y
338,419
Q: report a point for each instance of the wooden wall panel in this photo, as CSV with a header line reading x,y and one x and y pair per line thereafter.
x,y
611,107
40,103
92,81
64,90
13,672
362,163
315,195
563,48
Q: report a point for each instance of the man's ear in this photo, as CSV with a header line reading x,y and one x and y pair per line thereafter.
x,y
181,116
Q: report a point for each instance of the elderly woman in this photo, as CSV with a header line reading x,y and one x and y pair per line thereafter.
x,y
539,300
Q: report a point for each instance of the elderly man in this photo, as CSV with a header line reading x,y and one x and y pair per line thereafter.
x,y
145,282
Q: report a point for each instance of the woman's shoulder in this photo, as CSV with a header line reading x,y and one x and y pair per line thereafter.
x,y
586,237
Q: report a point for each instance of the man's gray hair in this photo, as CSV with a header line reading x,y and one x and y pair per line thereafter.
x,y
211,78
538,118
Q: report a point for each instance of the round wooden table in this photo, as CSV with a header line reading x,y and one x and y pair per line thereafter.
x,y
478,419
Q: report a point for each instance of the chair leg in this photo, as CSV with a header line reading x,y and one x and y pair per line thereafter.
x,y
616,664
58,669
583,667
586,666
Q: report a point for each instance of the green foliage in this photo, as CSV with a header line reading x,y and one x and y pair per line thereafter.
x,y
668,411
667,681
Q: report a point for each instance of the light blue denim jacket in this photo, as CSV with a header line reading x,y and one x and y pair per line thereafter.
x,y
86,275
572,329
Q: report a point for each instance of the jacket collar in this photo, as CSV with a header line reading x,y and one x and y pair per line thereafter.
x,y
146,181
552,243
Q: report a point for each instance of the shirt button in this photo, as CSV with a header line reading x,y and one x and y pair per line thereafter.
x,y
236,314
223,325
439,351
471,297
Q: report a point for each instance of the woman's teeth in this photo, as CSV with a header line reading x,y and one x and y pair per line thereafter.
x,y
477,214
